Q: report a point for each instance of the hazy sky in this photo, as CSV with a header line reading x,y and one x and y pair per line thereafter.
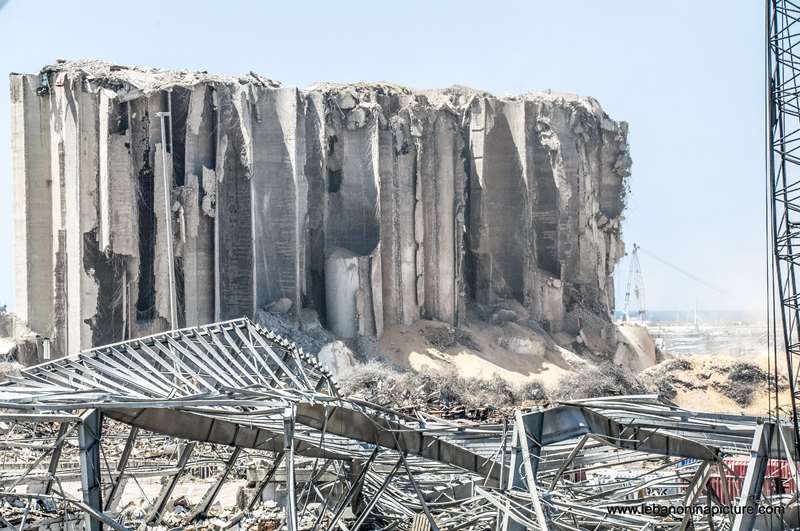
x,y
687,76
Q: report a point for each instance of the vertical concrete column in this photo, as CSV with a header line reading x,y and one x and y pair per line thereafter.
x,y
70,243
104,183
397,154
164,242
498,199
116,242
441,184
58,215
353,293
33,228
341,288
478,229
74,207
352,214
117,224
88,175
314,170
279,196
199,201
233,244
546,192
504,199
560,140
614,167
352,224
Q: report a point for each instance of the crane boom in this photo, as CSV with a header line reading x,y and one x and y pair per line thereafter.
x,y
783,174
635,283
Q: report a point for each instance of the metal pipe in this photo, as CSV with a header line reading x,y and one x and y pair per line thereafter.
x,y
288,450
167,181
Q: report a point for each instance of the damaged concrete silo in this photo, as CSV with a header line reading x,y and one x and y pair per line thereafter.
x,y
372,204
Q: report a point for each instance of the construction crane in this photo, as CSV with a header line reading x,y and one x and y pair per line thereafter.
x,y
783,179
635,283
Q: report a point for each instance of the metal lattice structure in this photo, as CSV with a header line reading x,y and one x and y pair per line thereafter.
x,y
232,384
635,286
232,392
783,166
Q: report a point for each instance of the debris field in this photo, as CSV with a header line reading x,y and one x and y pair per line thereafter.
x,y
327,461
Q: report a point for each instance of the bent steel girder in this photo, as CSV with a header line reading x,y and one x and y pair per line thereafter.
x,y
228,383
568,422
232,383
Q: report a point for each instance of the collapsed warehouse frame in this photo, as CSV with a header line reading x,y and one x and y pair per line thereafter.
x,y
236,386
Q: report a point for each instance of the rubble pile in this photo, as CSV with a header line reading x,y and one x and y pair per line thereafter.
x,y
445,395
266,516
249,399
40,513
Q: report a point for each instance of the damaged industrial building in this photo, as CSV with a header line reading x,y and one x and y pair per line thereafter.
x,y
159,214
149,200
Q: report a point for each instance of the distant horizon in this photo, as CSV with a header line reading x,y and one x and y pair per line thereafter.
x,y
703,316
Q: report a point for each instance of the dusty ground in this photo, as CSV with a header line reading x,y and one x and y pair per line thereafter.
x,y
513,352
520,354
698,387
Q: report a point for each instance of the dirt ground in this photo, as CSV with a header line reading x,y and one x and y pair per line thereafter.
x,y
483,350
519,354
698,387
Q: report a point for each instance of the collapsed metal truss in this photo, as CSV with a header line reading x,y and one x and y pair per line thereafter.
x,y
233,392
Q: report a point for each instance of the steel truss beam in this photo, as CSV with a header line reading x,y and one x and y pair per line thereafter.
x,y
235,384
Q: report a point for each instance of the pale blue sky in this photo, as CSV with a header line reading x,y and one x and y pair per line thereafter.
x,y
686,74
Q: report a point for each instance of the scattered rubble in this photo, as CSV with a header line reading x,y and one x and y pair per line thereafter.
x,y
606,379
337,357
315,456
445,394
18,343
303,452
718,383
445,337
744,380
635,348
